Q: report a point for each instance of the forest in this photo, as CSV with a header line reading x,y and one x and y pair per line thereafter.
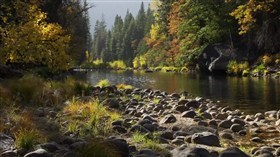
x,y
181,33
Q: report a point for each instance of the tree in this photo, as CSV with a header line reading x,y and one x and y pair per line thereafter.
x,y
32,40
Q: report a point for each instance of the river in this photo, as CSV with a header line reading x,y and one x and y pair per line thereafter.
x,y
248,94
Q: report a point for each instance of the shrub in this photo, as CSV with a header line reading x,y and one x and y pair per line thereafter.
x,y
267,60
103,83
235,68
124,86
117,65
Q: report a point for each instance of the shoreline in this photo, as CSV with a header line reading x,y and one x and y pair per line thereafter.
x,y
154,123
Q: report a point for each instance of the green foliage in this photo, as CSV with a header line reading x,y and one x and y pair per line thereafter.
x,y
117,65
235,68
260,69
267,60
103,83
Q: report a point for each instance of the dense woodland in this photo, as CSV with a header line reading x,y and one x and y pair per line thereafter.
x,y
55,33
180,30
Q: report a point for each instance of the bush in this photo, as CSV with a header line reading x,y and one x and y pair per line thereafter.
x,y
235,68
103,83
267,60
117,65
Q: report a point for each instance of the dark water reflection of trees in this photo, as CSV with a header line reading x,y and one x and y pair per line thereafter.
x,y
248,94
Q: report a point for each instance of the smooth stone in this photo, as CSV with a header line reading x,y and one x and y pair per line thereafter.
x,y
38,153
119,145
119,129
181,108
151,127
193,104
168,119
226,135
206,138
183,102
167,135
233,152
9,153
189,114
138,128
225,124
50,147
277,152
190,152
222,116
256,139
236,127
206,115
178,142
146,153
238,121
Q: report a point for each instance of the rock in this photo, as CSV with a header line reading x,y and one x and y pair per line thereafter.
x,y
167,135
259,116
181,108
50,147
168,119
119,145
189,114
193,104
182,102
206,115
117,122
206,138
236,127
225,124
112,103
38,153
9,153
222,116
238,121
6,142
233,152
119,129
190,152
277,152
78,145
177,142
277,123
256,139
146,153
226,135
138,128
151,127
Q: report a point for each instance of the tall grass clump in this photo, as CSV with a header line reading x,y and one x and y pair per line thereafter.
x,y
93,117
26,138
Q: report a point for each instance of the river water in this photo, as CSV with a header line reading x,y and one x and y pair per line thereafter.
x,y
250,95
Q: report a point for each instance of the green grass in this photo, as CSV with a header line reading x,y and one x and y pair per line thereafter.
x,y
144,142
95,119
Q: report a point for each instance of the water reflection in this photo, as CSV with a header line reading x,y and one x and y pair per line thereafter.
x,y
248,94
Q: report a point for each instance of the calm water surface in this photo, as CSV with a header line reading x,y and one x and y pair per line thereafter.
x,y
251,95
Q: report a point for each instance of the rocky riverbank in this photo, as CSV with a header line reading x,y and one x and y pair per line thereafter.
x,y
152,123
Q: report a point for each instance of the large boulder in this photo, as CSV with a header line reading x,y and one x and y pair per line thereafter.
x,y
191,152
233,152
206,138
215,57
